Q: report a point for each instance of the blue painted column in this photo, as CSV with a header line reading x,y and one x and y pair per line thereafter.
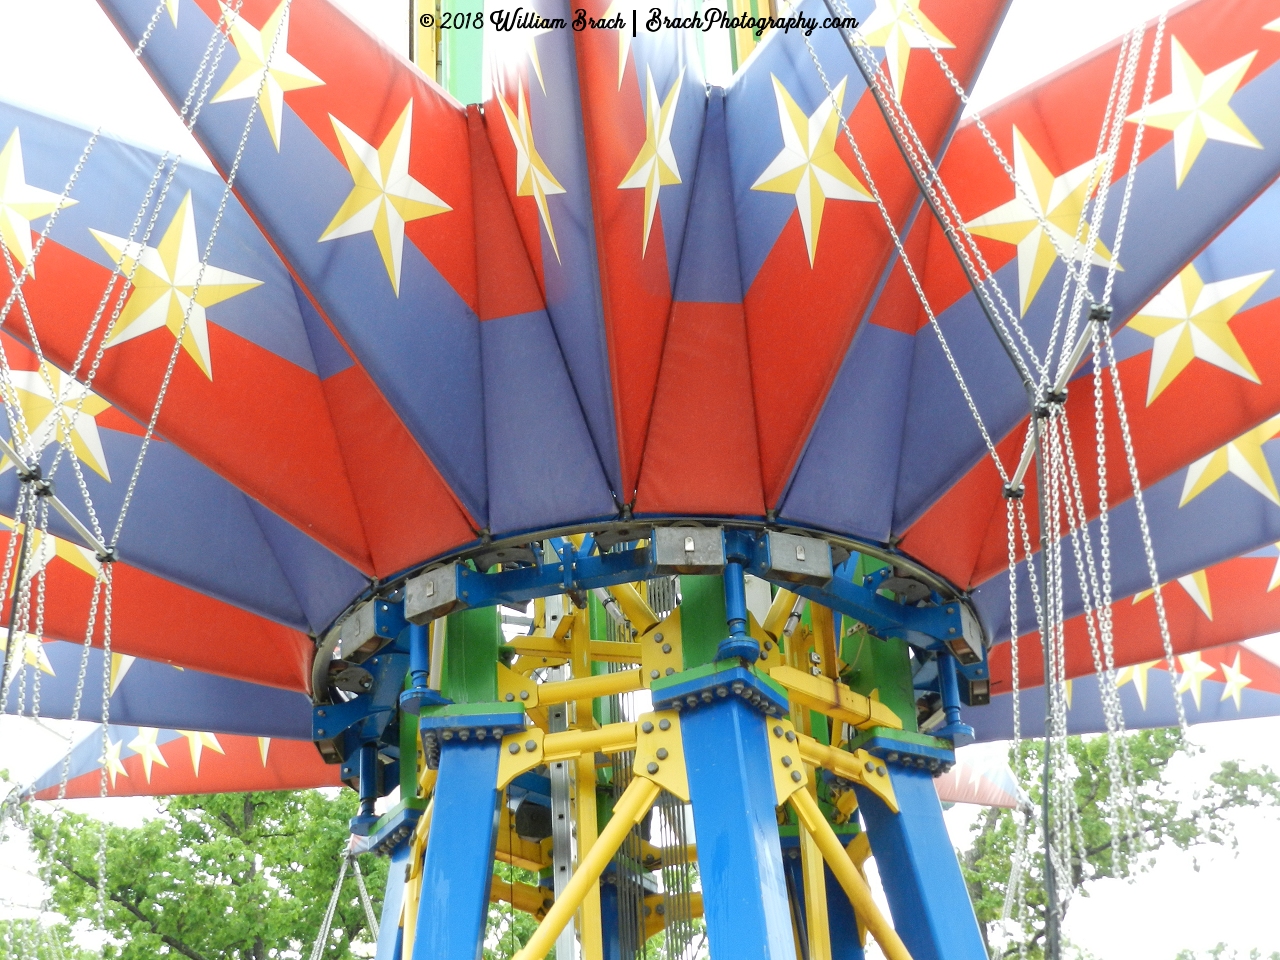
x,y
460,846
744,890
610,942
845,944
919,871
390,933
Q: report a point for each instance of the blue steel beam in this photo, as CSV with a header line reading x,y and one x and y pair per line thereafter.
x,y
390,933
744,889
918,870
460,846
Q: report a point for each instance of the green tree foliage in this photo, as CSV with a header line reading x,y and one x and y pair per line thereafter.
x,y
241,876
1223,952
1161,820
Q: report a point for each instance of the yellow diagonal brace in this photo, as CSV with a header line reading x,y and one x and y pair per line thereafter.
x,y
864,906
835,699
779,612
635,608
857,766
627,812
589,688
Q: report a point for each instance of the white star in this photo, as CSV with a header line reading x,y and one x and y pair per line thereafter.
x,y
197,740
808,166
20,203
1197,587
48,418
1190,319
45,546
383,196
29,649
1058,201
1275,573
144,744
655,164
533,177
1194,672
164,283
254,47
1199,108
1236,682
900,27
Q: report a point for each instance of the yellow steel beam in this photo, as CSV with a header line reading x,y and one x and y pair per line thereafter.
x,y
857,766
516,850
526,898
583,689
627,812
635,608
655,921
834,699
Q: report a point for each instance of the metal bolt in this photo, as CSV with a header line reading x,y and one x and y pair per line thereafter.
x,y
447,735
657,638
662,908
654,674
768,644
531,745
777,731
814,658
951,609
497,731
321,732
706,696
795,775
652,768
662,753
647,727
509,697
319,713
722,691
524,694
786,761
463,736
815,671
666,648
870,766
791,737
880,770
664,724
513,749
481,734
670,671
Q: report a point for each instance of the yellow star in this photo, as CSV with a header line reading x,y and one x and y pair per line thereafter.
x,y
1194,673
808,167
20,203
45,546
31,650
1199,108
1069,689
900,27
120,664
1190,318
112,760
197,740
172,7
1137,674
1236,682
533,179
1058,200
1197,587
1275,573
655,164
614,9
144,744
48,418
164,283
1243,457
264,744
254,47
383,196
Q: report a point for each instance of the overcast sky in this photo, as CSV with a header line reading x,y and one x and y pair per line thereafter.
x,y
62,57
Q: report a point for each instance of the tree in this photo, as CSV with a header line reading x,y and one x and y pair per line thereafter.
x,y
1160,819
242,876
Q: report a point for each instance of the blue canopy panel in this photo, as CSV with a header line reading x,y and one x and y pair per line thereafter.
x,y
1222,506
185,523
1181,199
146,762
1232,682
1206,342
702,452
349,195
597,136
147,693
246,396
812,246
